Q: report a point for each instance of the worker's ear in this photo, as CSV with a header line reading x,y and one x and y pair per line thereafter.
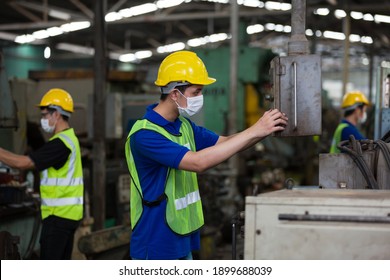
x,y
56,115
174,94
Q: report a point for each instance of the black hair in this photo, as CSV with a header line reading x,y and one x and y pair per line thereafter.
x,y
182,89
52,110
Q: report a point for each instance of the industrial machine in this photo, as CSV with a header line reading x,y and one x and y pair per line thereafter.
x,y
318,224
346,216
19,207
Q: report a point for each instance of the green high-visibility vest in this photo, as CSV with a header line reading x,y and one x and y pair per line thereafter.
x,y
337,138
62,190
183,213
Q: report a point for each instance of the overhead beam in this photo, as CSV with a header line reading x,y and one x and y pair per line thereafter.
x,y
86,11
192,16
40,8
116,6
30,25
25,12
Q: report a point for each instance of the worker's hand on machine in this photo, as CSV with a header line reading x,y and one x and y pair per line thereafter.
x,y
272,121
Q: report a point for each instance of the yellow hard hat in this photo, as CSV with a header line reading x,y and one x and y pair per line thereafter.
x,y
183,66
57,97
354,98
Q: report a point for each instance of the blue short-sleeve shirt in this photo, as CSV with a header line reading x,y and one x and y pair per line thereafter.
x,y
154,154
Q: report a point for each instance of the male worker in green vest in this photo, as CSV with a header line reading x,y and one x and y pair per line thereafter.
x,y
354,106
165,151
61,176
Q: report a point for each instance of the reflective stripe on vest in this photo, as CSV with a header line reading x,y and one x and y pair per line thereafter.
x,y
337,138
62,190
184,208
190,198
62,201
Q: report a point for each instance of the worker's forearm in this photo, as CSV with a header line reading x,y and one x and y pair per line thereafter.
x,y
272,121
214,155
16,161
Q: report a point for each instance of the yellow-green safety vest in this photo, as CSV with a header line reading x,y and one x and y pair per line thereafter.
x,y
337,138
62,190
183,213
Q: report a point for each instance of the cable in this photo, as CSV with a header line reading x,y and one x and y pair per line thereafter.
x,y
386,137
357,155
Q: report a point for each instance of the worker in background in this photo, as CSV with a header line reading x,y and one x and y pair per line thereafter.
x,y
165,151
354,106
61,176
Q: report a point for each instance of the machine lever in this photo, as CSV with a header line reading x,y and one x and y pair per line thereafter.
x,y
295,96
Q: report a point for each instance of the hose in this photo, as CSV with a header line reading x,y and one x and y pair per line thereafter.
x,y
385,151
357,156
386,137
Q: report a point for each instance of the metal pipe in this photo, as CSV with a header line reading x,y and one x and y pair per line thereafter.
x,y
99,116
347,32
8,111
298,43
233,67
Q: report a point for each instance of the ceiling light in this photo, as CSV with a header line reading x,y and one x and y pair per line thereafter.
x,y
113,16
340,14
162,4
385,64
382,18
368,17
75,25
47,52
23,39
54,31
143,54
251,3
252,29
59,14
217,1
271,5
287,29
309,32
365,61
143,9
366,40
354,38
196,42
218,37
41,34
356,15
322,11
279,28
270,26
129,57
171,48
334,35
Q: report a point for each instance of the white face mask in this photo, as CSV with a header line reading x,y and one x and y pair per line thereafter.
x,y
46,127
364,118
194,104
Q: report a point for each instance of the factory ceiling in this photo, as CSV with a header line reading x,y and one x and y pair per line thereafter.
x,y
141,27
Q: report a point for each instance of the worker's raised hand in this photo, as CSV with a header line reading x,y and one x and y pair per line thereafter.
x,y
272,121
